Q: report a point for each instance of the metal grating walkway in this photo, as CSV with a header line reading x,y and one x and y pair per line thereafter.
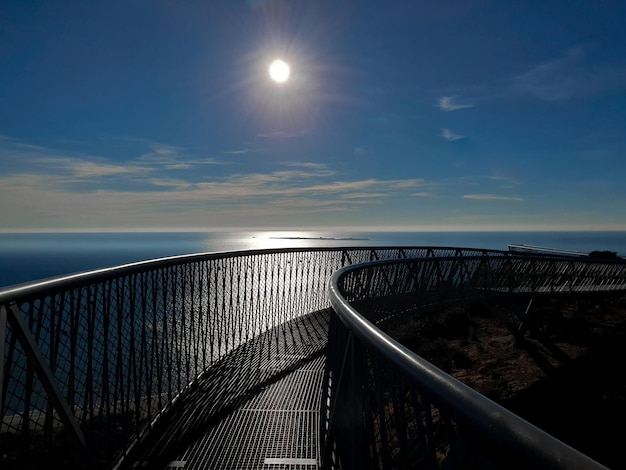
x,y
275,430
257,409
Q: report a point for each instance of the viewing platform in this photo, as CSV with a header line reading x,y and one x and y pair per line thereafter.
x,y
269,394
268,359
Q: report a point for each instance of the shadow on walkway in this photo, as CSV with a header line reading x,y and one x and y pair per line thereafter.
x,y
258,406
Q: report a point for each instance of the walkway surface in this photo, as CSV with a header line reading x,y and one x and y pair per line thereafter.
x,y
256,409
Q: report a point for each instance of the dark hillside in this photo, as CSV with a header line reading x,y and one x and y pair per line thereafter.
x,y
565,374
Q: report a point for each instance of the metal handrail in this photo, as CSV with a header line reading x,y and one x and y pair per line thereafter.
x,y
123,343
376,386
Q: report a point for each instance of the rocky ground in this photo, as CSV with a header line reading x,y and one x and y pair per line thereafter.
x,y
563,369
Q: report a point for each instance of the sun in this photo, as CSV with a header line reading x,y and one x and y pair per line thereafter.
x,y
279,71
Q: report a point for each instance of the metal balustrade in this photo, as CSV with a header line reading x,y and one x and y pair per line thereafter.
x,y
93,363
386,407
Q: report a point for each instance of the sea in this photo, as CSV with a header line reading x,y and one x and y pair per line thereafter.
x,y
26,257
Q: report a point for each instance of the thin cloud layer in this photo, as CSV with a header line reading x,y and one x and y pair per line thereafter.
x,y
571,75
491,197
450,136
447,103
146,186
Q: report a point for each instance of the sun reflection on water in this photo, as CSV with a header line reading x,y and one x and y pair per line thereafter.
x,y
276,239
285,239
299,239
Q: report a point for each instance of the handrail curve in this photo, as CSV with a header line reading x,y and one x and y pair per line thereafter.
x,y
109,352
123,343
387,407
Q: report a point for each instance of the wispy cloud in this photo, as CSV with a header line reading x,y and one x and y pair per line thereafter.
x,y
450,136
492,197
72,171
447,103
96,169
81,191
364,195
568,76
174,158
148,174
283,134
171,183
178,166
309,165
237,197
85,168
299,183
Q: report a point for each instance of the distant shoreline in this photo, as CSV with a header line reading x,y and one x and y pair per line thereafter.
x,y
319,238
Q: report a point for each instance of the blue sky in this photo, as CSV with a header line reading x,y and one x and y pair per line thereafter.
x,y
448,115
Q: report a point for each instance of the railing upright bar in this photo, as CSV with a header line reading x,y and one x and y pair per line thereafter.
x,y
493,431
3,333
43,371
102,311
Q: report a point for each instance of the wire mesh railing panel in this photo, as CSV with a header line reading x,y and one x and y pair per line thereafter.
x,y
91,362
110,351
385,407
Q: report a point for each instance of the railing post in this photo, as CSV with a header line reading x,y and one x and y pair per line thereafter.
x,y
3,332
44,373
356,409
339,374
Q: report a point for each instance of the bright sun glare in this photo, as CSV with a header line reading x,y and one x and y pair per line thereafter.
x,y
279,71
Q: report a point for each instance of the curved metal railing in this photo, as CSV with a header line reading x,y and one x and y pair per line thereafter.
x,y
91,362
386,407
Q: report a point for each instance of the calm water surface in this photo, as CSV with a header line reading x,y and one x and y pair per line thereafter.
x,y
32,256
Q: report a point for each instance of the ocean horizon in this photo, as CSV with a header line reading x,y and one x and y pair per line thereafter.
x,y
26,257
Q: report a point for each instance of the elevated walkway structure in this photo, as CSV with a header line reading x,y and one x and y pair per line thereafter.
x,y
257,408
239,360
